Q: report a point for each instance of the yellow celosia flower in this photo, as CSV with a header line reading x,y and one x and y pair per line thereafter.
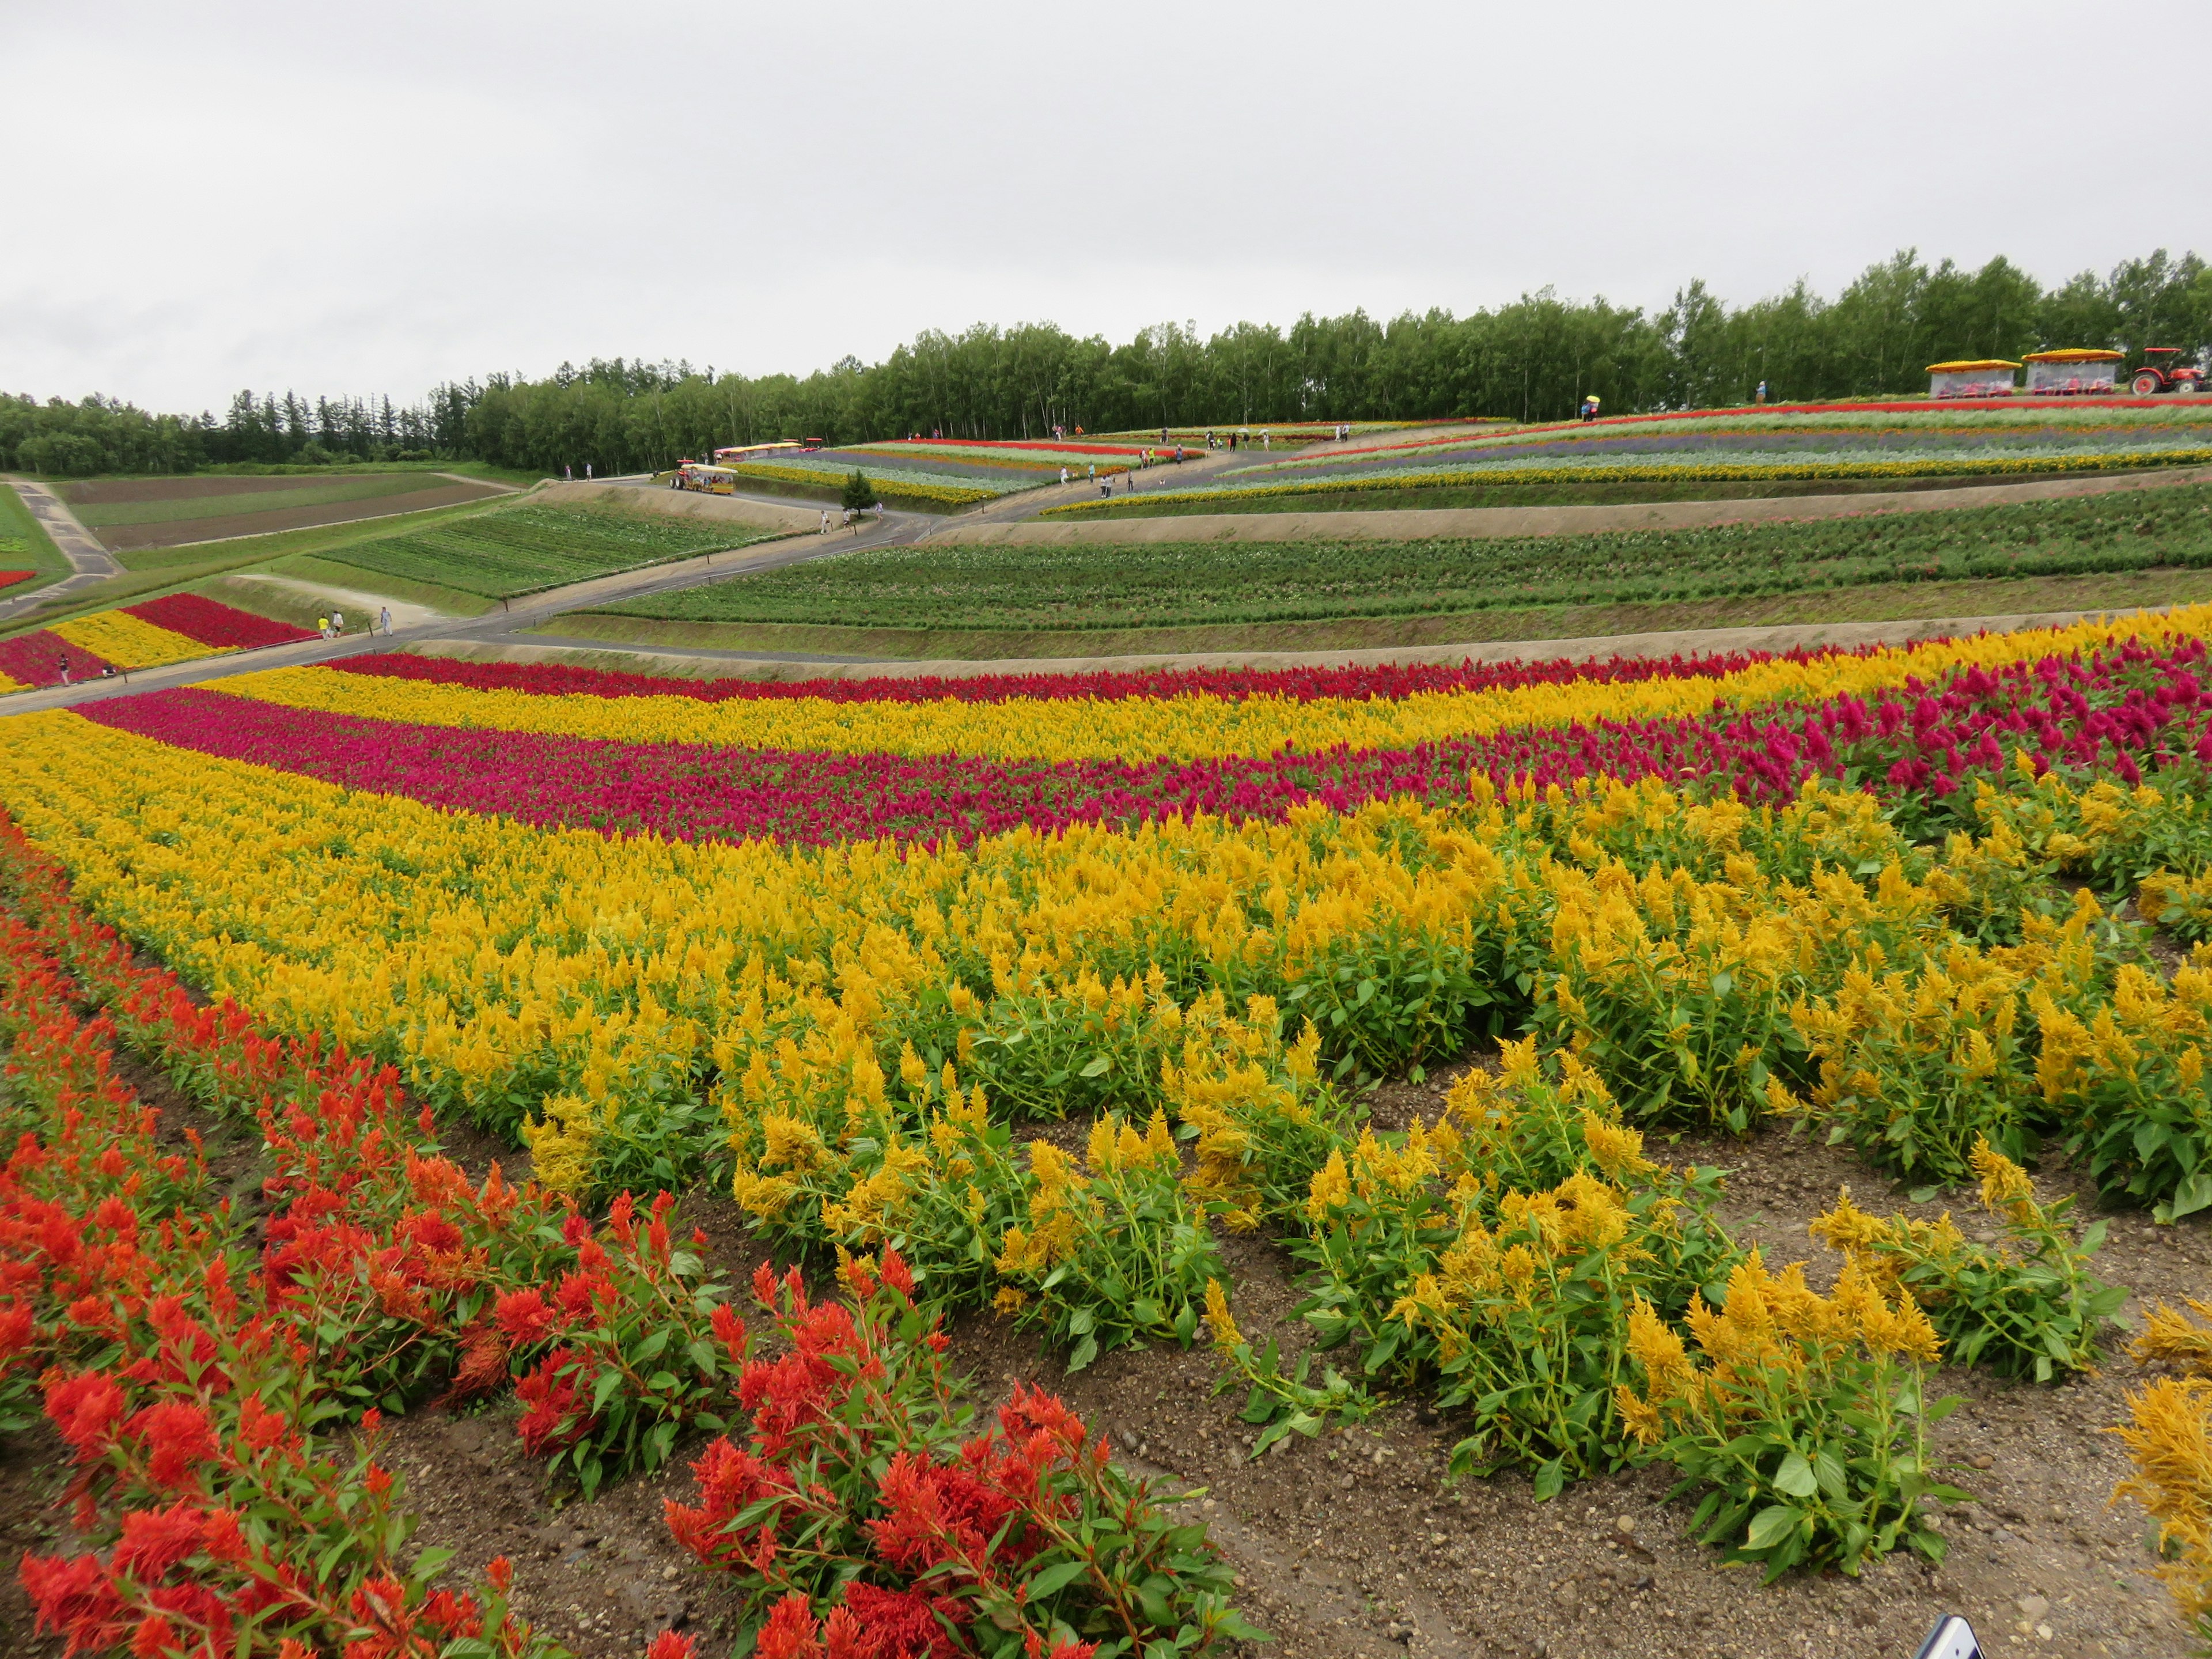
x,y
2169,1337
2169,1438
1226,1336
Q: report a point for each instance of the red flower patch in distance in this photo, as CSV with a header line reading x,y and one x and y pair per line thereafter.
x,y
212,622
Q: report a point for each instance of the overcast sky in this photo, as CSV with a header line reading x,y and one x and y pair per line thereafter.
x,y
370,199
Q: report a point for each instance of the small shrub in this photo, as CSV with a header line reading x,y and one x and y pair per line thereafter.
x,y
1802,1417
866,1505
2028,1307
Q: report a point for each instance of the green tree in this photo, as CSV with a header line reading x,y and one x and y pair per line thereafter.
x,y
860,494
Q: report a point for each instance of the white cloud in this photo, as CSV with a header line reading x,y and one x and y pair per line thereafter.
x,y
371,200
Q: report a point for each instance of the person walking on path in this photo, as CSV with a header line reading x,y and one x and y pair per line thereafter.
x,y
323,626
385,621
1063,478
825,523
65,678
338,624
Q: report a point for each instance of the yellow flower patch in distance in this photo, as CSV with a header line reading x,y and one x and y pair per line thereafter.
x,y
1189,727
130,641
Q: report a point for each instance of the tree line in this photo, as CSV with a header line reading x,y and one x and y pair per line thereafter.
x,y
1534,359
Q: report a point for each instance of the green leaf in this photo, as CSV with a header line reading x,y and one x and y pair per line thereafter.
x,y
1551,1477
1098,1067
609,1382
1796,1476
427,1564
1085,1351
1055,1578
1771,1525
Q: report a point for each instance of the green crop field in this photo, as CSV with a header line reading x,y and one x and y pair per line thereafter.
x,y
1167,585
510,551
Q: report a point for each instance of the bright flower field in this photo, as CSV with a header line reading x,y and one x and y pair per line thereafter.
x,y
841,946
1889,442
148,634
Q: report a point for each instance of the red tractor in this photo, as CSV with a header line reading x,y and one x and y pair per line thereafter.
x,y
2165,370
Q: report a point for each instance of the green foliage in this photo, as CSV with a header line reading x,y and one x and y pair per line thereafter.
x,y
858,494
512,551
1180,584
863,1463
1804,1426
1511,1302
2026,1307
1279,1405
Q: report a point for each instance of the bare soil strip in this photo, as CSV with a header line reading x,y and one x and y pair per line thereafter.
x,y
185,532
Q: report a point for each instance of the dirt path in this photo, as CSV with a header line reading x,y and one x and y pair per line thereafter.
x,y
90,562
1490,523
364,606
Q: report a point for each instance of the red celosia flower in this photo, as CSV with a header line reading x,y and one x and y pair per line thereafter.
x,y
221,1537
76,1596
790,1632
155,1541
155,1637
483,1362
897,1274
904,1623
551,1392
430,1232
84,1408
178,1439
670,1645
499,1571
934,1514
730,1332
525,1315
259,1428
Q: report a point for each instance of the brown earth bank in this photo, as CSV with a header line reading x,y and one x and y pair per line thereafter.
x,y
199,487
179,532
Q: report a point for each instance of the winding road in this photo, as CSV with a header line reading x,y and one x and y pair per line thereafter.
x,y
88,561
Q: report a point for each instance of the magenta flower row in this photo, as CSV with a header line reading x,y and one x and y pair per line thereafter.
x,y
2108,712
1304,684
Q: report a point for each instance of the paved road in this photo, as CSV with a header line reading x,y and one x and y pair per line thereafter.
x,y
893,529
90,562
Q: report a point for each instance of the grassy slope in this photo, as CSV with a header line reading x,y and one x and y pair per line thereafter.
x,y
1095,588
538,546
1886,601
38,554
329,573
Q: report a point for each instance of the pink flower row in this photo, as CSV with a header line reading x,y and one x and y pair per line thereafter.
x,y
1387,680
2105,712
